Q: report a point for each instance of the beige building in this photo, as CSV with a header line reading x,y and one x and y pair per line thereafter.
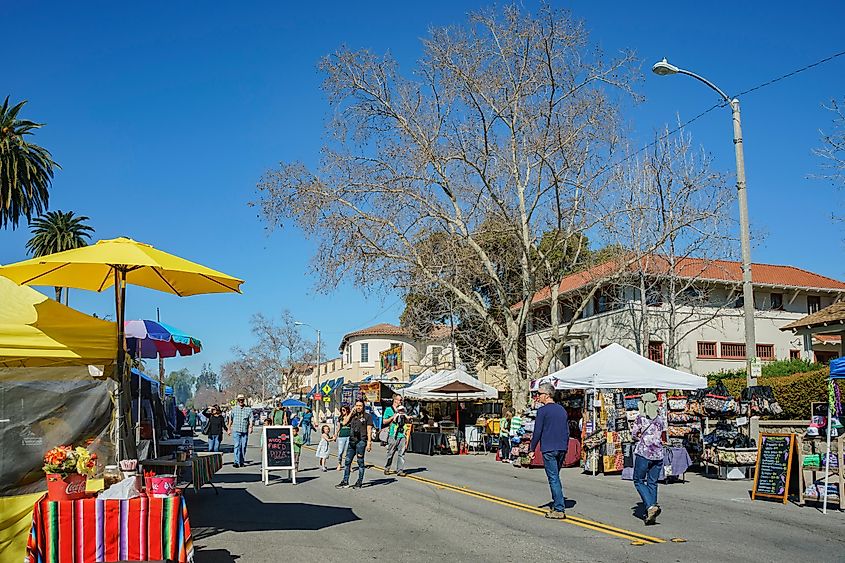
x,y
709,328
361,353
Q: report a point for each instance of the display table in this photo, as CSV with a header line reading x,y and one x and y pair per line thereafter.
x,y
203,467
428,443
91,531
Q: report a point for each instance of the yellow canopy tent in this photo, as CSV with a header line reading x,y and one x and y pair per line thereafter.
x,y
37,331
48,337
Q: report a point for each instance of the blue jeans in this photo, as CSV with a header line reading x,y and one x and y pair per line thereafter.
x,y
214,443
355,449
306,433
342,447
240,439
552,463
646,475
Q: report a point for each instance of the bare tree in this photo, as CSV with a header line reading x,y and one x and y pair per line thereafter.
x,y
680,238
501,135
833,146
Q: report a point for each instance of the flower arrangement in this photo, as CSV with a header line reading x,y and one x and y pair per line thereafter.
x,y
67,460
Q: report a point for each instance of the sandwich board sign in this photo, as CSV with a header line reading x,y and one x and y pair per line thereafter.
x,y
277,452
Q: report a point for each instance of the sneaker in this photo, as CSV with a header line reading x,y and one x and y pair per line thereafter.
x,y
556,514
387,471
342,485
651,514
401,474
358,485
236,465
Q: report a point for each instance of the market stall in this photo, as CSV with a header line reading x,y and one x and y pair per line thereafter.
x,y
611,380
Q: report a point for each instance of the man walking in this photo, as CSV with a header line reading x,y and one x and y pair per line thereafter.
x,y
360,440
551,431
394,415
240,427
307,420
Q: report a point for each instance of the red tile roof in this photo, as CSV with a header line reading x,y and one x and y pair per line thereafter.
x,y
438,332
704,270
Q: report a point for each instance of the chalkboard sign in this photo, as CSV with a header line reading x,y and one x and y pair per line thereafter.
x,y
277,451
774,466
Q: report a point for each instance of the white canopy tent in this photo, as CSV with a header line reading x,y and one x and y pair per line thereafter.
x,y
421,388
616,367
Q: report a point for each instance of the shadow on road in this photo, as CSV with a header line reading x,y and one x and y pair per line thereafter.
x,y
416,470
237,510
214,556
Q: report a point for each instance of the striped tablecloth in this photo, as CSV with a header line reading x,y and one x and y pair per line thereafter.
x,y
92,531
204,466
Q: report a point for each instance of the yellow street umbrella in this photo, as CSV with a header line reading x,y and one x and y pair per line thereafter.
x,y
117,262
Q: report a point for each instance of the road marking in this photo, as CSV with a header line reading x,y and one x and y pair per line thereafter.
x,y
573,520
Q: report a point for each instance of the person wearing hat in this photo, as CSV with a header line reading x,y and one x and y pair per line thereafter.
x,y
648,429
551,433
394,415
240,427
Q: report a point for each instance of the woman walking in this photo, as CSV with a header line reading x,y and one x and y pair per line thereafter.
x,y
505,437
323,446
648,429
342,432
214,428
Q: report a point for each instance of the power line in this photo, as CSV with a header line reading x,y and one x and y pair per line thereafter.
x,y
714,106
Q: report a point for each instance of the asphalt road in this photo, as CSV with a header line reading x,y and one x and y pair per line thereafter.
x,y
471,508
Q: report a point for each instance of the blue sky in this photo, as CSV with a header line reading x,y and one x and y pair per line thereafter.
x,y
164,115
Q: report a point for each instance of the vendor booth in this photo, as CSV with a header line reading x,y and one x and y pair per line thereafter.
x,y
47,397
453,386
611,380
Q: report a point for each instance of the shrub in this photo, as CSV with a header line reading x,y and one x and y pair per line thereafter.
x,y
773,369
794,392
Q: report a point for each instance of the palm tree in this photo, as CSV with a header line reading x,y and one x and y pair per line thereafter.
x,y
26,170
57,231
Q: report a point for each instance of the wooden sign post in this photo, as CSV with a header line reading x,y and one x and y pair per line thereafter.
x,y
773,473
277,452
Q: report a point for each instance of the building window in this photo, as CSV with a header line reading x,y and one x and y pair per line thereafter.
x,y
348,354
365,352
766,351
733,350
653,297
542,317
795,354
814,303
564,357
739,302
655,351
707,350
435,355
777,301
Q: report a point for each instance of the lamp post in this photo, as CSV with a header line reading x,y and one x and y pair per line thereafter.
x,y
663,68
298,323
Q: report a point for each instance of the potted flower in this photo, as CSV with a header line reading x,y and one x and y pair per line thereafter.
x,y
68,470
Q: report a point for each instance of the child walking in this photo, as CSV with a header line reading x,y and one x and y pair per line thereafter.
x,y
323,446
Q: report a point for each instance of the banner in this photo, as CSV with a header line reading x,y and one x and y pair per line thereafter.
x,y
391,359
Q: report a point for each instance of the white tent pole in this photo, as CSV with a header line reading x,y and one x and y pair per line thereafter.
x,y
827,456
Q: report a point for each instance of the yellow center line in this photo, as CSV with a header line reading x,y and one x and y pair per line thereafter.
x,y
573,520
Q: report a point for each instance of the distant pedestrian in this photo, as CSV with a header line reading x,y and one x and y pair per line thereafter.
x,y
394,416
360,441
648,429
192,420
240,427
297,447
214,427
307,425
551,432
342,432
323,446
505,437
280,417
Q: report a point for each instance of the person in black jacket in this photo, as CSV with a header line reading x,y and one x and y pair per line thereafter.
x,y
214,428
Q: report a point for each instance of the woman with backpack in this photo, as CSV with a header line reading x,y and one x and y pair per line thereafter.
x,y
505,437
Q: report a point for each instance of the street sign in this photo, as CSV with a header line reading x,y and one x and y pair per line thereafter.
x,y
326,389
756,368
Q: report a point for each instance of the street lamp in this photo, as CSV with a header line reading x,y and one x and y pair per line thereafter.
x,y
663,68
298,323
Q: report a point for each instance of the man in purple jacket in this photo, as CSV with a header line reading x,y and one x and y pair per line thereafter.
x,y
551,431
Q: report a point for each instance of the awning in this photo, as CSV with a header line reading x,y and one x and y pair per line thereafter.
x,y
38,331
426,388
